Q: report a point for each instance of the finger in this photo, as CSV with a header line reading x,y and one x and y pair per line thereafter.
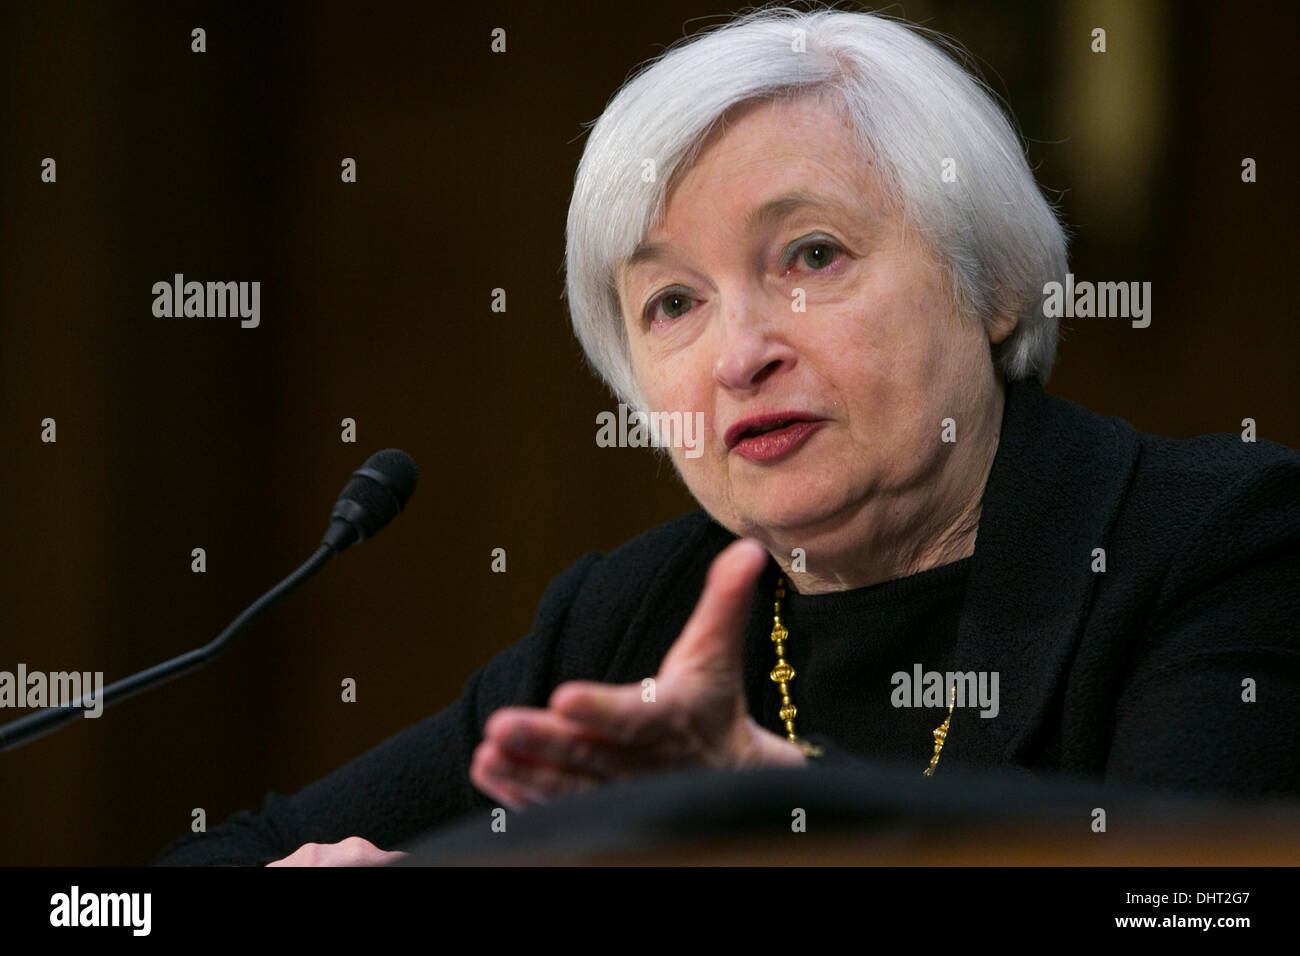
x,y
561,741
358,851
497,791
621,715
534,783
491,771
305,855
655,735
352,851
505,722
710,641
546,780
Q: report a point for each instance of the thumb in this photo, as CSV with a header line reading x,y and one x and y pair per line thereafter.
x,y
710,642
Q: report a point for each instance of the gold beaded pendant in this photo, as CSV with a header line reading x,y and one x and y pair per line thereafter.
x,y
941,734
783,673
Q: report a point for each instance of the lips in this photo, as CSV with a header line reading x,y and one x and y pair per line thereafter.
x,y
781,427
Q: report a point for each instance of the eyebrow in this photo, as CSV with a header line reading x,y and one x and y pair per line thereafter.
x,y
767,215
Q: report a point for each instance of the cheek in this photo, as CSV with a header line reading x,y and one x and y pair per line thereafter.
x,y
893,362
919,338
673,382
705,478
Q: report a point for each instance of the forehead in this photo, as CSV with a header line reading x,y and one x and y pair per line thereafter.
x,y
781,123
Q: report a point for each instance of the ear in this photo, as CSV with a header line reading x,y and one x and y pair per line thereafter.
x,y
1002,324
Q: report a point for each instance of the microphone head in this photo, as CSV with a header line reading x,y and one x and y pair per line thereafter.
x,y
377,491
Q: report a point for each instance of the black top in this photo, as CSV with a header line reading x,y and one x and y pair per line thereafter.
x,y
1177,665
846,648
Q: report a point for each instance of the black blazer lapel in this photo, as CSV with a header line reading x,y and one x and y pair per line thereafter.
x,y
1057,481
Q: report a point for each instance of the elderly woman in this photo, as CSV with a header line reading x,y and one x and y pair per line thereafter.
x,y
822,234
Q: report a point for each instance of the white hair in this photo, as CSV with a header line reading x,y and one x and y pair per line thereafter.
x,y
912,107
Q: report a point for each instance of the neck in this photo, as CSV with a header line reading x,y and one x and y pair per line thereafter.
x,y
913,531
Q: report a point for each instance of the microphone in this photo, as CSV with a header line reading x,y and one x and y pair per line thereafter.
x,y
377,491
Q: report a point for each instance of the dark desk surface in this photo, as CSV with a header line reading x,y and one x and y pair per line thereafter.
x,y
872,814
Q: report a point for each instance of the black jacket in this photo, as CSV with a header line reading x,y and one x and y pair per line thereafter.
x,y
1138,674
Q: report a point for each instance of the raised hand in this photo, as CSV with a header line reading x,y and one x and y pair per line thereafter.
x,y
591,732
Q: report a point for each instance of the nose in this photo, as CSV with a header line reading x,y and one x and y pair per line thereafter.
x,y
749,354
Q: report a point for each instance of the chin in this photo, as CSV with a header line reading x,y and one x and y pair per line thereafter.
x,y
801,510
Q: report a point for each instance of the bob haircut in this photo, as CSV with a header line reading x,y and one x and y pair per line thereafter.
x,y
913,108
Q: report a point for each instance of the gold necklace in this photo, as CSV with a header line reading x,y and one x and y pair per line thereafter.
x,y
940,735
783,673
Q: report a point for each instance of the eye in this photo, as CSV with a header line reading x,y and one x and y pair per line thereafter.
x,y
817,253
673,299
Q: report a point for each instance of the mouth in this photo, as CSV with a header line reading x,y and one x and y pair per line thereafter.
x,y
765,437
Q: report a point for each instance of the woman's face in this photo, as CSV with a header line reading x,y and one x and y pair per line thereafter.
x,y
871,352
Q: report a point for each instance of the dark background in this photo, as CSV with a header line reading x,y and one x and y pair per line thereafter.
x,y
183,433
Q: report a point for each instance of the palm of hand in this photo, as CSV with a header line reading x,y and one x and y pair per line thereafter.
x,y
696,714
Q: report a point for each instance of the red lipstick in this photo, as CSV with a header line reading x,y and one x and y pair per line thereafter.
x,y
772,435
